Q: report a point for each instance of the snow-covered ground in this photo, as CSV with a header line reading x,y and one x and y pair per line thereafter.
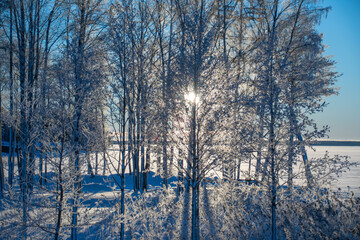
x,y
100,198
350,180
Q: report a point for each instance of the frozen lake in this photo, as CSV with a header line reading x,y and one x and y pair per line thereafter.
x,y
350,180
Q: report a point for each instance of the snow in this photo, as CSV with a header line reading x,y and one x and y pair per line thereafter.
x,y
159,213
350,180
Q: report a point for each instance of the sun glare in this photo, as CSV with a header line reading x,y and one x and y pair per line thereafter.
x,y
191,97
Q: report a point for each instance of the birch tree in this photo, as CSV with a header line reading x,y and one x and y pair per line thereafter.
x,y
86,86
202,97
275,65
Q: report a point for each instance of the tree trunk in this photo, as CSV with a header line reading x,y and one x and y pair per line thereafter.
x,y
22,160
2,177
43,91
10,159
79,68
195,233
180,173
103,139
147,167
123,164
290,161
60,183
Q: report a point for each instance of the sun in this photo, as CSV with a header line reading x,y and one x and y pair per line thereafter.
x,y
192,97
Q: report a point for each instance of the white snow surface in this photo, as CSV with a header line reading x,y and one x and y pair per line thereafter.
x,y
350,180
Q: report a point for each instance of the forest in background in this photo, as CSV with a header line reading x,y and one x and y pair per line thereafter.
x,y
183,89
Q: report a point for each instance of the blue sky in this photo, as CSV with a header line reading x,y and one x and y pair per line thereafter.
x,y
341,31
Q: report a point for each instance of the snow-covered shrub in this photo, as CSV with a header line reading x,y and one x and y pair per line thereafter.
x,y
240,211
243,212
318,214
150,215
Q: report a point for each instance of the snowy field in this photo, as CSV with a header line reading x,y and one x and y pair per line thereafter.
x,y
99,217
346,182
350,180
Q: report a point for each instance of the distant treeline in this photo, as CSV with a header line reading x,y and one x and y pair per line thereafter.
x,y
335,143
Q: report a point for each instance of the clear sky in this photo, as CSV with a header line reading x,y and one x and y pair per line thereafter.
x,y
341,31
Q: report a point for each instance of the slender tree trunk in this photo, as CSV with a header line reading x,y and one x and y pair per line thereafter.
x,y
164,115
260,143
165,165
96,162
185,217
180,173
60,183
2,177
273,172
238,169
10,158
290,161
22,160
90,168
295,129
123,163
103,139
138,138
77,181
273,112
43,89
130,142
30,90
79,68
308,174
142,156
46,170
147,166
195,233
